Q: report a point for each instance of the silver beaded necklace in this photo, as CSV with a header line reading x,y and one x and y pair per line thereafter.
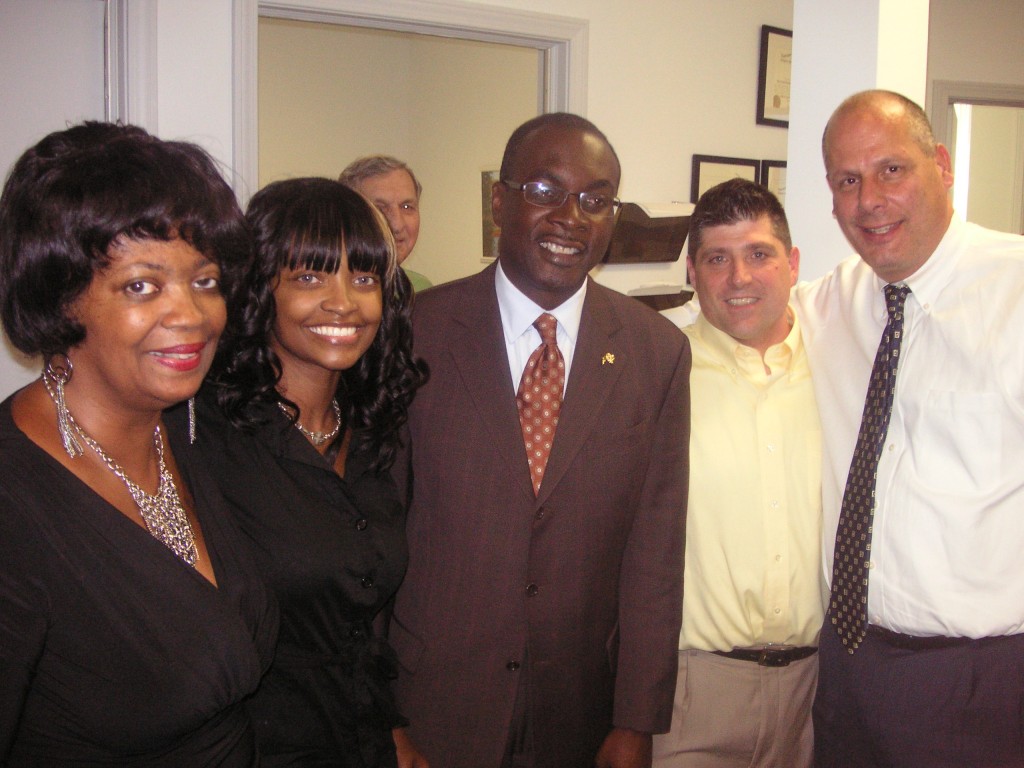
x,y
317,438
163,513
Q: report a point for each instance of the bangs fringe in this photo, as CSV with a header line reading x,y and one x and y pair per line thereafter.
x,y
319,254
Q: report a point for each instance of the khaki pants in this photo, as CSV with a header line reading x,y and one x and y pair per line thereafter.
x,y
730,713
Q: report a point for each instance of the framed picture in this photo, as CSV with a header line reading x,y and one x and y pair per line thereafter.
x,y
774,76
709,170
488,228
773,176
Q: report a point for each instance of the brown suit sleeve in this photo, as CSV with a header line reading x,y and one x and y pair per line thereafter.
x,y
651,580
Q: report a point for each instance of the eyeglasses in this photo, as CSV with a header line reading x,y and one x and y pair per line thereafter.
x,y
546,195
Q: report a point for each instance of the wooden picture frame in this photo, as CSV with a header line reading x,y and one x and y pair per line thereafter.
x,y
709,170
773,77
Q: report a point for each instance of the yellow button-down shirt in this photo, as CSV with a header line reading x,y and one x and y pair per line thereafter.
x,y
752,574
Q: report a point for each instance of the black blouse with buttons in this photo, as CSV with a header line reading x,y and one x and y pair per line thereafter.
x,y
333,550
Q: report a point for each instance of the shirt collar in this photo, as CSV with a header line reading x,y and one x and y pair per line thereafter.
x,y
777,357
273,429
518,311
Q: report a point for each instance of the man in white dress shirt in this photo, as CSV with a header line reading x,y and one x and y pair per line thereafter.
x,y
939,678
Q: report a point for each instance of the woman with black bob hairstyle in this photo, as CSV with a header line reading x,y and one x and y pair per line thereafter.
x,y
302,422
133,622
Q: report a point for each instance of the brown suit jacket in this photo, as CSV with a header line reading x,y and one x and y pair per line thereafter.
x,y
578,588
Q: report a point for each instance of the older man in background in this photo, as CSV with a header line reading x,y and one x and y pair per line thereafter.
x,y
393,188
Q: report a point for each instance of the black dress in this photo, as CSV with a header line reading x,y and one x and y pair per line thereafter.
x,y
333,550
112,650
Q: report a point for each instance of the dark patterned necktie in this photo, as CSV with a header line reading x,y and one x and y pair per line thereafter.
x,y
848,605
540,398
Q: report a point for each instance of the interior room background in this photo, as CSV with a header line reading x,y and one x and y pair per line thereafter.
x,y
666,79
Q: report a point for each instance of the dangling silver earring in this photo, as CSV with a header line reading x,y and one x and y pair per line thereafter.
x,y
56,375
191,421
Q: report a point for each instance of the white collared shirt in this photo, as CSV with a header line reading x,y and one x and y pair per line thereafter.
x,y
518,313
948,531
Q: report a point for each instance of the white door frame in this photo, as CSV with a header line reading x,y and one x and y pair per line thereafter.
x,y
561,41
947,93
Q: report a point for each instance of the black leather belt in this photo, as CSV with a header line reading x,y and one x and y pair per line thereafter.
x,y
914,642
770,655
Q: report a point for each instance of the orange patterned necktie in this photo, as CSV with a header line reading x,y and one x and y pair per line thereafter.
x,y
540,398
848,607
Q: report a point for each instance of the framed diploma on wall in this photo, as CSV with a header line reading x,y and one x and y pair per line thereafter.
x,y
773,176
773,78
709,170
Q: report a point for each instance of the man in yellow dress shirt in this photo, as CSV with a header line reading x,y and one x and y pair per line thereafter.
x,y
753,601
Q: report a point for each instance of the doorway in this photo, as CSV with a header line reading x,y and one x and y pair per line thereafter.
x,y
559,42
982,125
331,93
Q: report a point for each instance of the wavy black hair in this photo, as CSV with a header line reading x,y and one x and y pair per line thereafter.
x,y
310,223
79,191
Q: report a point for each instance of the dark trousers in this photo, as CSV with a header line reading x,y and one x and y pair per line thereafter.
x,y
946,707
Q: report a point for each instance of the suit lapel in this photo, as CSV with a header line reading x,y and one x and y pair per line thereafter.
x,y
477,348
597,363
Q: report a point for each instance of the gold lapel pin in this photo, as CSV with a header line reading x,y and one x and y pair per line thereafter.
x,y
608,358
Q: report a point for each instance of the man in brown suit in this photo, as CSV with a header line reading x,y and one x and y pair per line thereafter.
x,y
539,628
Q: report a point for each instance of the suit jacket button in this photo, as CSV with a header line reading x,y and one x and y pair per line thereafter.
x,y
366,581
361,524
540,513
531,590
512,666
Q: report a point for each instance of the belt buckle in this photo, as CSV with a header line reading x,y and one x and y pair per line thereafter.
x,y
774,656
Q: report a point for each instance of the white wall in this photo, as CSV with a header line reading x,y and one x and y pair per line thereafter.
x,y
668,80
315,96
51,73
193,60
840,48
51,60
980,41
